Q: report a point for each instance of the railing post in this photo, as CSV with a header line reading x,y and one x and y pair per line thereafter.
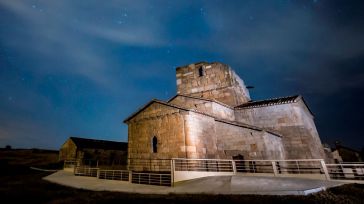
x,y
323,165
234,166
274,168
298,167
130,175
172,172
98,173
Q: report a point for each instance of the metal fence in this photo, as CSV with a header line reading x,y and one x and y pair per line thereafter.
x,y
165,172
311,166
120,175
149,165
346,171
161,179
151,179
308,166
209,165
86,171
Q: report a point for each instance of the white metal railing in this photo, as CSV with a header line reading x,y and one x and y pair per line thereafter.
x,y
280,166
149,165
151,179
276,167
214,165
178,169
346,171
121,175
86,171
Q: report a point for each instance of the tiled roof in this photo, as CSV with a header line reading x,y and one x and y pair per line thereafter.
x,y
99,144
269,102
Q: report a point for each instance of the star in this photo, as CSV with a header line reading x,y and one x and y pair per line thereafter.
x,y
202,11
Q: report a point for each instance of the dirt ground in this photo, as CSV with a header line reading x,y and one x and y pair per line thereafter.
x,y
20,184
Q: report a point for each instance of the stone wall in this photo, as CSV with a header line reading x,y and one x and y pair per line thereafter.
x,y
208,107
252,144
102,157
68,151
218,82
164,122
294,122
201,137
90,156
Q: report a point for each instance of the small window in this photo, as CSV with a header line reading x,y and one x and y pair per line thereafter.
x,y
154,144
201,71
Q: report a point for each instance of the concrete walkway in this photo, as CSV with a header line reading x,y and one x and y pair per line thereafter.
x,y
208,185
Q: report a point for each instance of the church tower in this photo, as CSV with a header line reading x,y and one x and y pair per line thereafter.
x,y
213,81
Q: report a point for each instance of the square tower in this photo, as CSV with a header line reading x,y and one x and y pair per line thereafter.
x,y
213,81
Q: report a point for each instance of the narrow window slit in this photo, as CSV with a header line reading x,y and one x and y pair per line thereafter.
x,y
201,71
155,144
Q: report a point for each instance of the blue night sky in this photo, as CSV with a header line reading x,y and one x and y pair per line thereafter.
x,y
79,68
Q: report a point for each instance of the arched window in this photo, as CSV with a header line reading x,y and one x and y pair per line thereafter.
x,y
200,71
154,144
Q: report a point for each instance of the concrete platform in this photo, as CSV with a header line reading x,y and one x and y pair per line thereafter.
x,y
208,185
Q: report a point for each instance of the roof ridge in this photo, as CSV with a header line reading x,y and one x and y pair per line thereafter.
x,y
249,126
206,114
92,139
98,144
201,98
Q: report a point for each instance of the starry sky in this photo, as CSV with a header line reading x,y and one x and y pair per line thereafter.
x,y
80,67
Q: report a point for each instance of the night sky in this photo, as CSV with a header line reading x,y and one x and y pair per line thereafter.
x,y
79,68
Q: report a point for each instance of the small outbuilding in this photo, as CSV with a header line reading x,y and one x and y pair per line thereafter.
x,y
346,154
94,152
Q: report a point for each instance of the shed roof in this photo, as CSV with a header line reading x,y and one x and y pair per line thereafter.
x,y
273,102
269,102
99,144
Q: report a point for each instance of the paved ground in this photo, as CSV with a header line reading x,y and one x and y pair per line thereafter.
x,y
208,185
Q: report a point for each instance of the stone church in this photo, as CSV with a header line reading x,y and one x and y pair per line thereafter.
x,y
212,116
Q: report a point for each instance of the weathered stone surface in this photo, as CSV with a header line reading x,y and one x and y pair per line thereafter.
x,y
293,121
218,82
206,106
249,143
